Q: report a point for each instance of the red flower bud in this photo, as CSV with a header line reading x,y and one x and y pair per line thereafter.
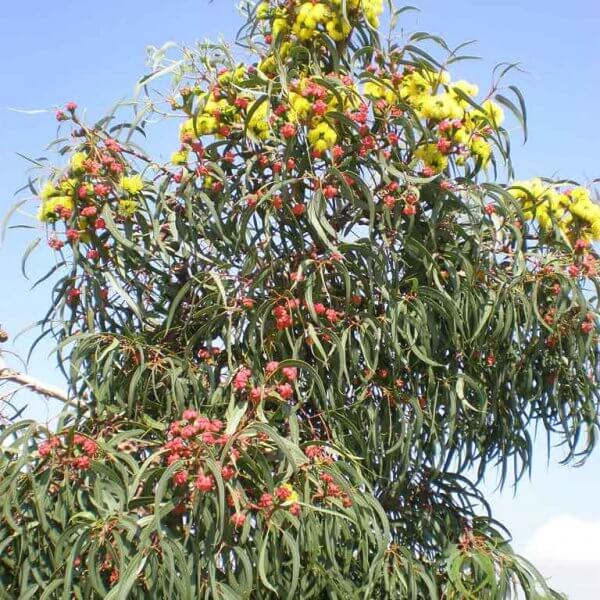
x,y
288,131
180,478
89,211
271,366
227,472
285,391
290,373
204,483
238,519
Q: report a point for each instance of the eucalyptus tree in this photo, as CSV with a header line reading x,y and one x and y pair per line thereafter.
x,y
295,348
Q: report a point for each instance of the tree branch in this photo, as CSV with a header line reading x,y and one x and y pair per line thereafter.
x,y
37,386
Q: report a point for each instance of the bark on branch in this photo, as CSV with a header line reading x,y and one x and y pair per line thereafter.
x,y
37,386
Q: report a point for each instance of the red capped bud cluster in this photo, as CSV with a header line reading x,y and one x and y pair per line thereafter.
x,y
241,379
330,490
55,243
587,267
288,131
283,319
588,324
393,194
279,381
283,313
188,444
208,354
76,453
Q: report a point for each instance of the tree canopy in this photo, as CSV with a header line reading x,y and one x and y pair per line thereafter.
x,y
294,348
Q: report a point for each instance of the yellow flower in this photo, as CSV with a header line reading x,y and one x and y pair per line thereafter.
x,y
585,209
440,107
481,149
68,186
372,10
493,113
224,78
239,74
470,89
132,185
301,105
432,157
268,65
304,11
179,158
206,124
262,10
320,12
305,18
284,49
322,137
186,129
350,4
279,26
127,208
203,124
555,202
78,162
48,191
379,91
303,33
293,497
461,136
338,29
543,218
212,106
580,194
414,85
525,190
48,211
258,124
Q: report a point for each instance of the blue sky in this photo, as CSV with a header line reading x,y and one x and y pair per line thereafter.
x,y
93,52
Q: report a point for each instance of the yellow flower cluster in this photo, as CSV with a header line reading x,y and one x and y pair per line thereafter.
x,y
321,134
314,18
127,208
78,162
292,494
132,185
306,20
432,157
258,124
211,113
179,158
322,137
572,211
59,199
434,97
56,199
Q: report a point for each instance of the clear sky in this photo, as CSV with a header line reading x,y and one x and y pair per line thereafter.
x,y
93,52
